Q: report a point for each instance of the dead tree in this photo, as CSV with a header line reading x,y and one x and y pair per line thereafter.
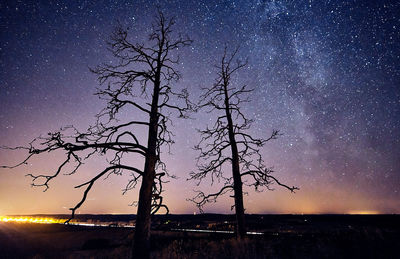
x,y
227,142
140,84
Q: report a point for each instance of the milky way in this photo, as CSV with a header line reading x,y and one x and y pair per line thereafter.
x,y
326,74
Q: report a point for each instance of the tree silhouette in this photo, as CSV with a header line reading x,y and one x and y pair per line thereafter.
x,y
227,141
140,85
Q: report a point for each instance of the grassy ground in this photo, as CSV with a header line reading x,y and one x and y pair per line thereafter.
x,y
294,237
354,244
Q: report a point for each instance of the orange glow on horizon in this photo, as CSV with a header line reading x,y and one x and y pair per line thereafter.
x,y
363,212
39,220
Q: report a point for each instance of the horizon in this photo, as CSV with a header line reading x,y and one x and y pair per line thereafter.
x,y
200,214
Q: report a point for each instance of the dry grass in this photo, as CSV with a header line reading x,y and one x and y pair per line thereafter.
x,y
204,248
328,238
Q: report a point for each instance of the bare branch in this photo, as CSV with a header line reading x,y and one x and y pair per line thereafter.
x,y
201,198
228,140
139,81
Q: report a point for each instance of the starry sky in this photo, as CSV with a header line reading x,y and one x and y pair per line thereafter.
x,y
325,73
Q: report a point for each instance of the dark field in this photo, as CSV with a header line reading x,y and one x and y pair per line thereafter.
x,y
283,236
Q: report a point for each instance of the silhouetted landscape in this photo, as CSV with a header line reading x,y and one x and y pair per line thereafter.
x,y
176,236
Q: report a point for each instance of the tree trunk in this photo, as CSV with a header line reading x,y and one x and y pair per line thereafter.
x,y
238,192
237,179
141,244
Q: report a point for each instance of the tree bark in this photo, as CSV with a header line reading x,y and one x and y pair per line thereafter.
x,y
141,245
237,179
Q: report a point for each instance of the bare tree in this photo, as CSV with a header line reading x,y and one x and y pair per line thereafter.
x,y
227,142
140,82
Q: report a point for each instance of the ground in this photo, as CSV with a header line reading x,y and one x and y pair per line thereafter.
x,y
284,236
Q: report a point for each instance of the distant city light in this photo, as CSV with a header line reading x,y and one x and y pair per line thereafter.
x,y
363,212
23,219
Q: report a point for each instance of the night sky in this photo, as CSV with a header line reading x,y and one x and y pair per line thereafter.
x,y
325,73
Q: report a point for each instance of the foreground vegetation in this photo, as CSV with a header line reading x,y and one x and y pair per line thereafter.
x,y
285,236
